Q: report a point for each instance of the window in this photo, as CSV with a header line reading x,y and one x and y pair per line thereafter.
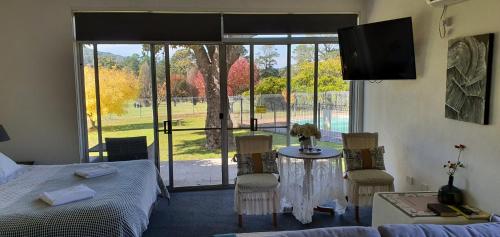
x,y
190,99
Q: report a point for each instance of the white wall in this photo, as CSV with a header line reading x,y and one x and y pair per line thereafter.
x,y
37,83
409,115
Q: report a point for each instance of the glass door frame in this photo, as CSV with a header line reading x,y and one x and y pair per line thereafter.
x,y
167,125
355,91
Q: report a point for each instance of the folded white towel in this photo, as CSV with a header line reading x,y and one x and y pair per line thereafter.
x,y
67,195
96,171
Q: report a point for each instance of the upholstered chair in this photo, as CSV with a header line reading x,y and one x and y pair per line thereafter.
x,y
363,184
127,148
256,193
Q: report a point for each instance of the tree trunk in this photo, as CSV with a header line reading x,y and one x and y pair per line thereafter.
x,y
207,60
92,122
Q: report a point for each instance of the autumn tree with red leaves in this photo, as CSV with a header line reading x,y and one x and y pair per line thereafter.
x,y
198,82
239,77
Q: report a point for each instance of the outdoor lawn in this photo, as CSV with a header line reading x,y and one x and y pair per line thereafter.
x,y
187,145
126,91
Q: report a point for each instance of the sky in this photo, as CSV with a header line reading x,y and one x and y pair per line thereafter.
x,y
120,49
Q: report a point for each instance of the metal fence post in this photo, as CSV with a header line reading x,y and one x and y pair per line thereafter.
x,y
241,110
319,116
274,110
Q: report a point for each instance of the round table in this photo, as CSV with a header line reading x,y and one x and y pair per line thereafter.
x,y
307,181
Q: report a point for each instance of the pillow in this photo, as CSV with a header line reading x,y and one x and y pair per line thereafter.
x,y
7,167
255,163
358,159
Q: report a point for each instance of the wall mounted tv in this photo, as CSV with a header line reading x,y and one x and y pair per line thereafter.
x,y
378,51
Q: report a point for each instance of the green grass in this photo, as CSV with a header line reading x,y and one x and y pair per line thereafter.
x,y
187,145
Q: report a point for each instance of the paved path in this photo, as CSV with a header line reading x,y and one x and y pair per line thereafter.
x,y
197,172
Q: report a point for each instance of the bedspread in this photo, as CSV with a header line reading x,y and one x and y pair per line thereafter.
x,y
121,206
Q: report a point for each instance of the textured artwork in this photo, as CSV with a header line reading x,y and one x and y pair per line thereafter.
x,y
468,78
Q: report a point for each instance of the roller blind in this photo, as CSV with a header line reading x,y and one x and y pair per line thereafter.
x,y
147,27
286,23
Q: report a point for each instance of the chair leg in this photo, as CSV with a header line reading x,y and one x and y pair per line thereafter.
x,y
275,220
357,213
240,221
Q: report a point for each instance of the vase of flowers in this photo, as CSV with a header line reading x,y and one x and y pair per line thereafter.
x,y
449,194
306,134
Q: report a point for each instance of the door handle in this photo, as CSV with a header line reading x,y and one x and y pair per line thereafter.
x,y
167,127
254,125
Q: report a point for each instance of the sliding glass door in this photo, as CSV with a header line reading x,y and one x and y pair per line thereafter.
x,y
270,92
194,122
190,101
241,77
118,95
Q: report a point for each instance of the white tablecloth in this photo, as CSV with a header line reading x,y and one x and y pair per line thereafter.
x,y
308,183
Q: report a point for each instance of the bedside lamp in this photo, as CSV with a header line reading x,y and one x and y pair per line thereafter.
x,y
3,134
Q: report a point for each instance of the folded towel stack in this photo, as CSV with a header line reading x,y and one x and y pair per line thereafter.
x,y
67,195
96,171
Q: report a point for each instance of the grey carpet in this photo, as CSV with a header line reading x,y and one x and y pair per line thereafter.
x,y
206,213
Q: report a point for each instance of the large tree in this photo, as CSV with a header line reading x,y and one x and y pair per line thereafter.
x,y
238,78
328,51
303,53
197,80
207,60
182,61
117,87
329,77
266,59
133,63
146,84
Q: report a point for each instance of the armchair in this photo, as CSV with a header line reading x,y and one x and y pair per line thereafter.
x,y
363,184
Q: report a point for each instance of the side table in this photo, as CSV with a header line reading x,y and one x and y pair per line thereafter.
x,y
384,212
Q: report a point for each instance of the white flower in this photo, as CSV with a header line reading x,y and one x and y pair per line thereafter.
x,y
306,130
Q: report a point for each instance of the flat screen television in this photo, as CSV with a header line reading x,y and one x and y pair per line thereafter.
x,y
378,51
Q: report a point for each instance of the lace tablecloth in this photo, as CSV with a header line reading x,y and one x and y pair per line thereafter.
x,y
308,181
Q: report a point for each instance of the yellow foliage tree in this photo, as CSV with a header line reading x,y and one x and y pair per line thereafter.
x,y
116,87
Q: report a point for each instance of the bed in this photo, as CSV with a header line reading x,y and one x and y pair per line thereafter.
x,y
121,206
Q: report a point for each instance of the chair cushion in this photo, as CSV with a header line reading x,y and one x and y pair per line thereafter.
x,y
371,177
370,158
257,182
257,163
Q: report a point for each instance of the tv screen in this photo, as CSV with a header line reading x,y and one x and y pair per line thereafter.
x,y
378,51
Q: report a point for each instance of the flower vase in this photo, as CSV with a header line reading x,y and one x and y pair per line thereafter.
x,y
449,194
305,143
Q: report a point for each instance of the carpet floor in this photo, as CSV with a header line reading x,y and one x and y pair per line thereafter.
x,y
205,213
